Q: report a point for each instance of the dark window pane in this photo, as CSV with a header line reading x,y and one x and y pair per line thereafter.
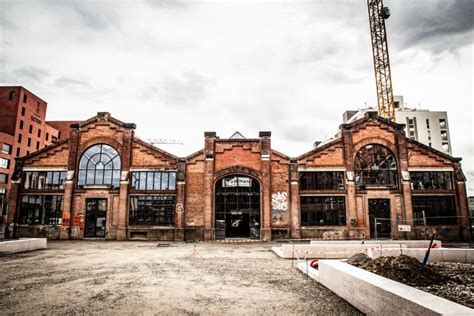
x,y
438,210
41,209
322,180
375,166
152,210
431,180
323,211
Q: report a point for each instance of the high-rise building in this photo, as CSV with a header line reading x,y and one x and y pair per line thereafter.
x,y
23,130
428,127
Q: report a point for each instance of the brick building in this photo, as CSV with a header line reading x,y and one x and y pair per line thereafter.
x,y
23,130
369,181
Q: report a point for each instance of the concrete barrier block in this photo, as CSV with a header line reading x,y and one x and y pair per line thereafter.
x,y
23,245
308,270
461,255
328,251
376,295
408,243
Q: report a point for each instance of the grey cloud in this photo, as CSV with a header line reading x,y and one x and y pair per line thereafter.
x,y
98,16
436,25
7,78
30,73
165,4
189,89
315,53
6,44
5,21
71,82
300,133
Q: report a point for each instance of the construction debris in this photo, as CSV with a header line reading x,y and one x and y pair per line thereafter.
x,y
453,281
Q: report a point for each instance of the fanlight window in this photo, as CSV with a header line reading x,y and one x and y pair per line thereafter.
x,y
100,165
375,166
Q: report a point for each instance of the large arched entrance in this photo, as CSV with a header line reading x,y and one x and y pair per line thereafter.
x,y
237,207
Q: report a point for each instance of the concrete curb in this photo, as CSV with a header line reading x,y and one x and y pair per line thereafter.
x,y
376,295
371,243
22,245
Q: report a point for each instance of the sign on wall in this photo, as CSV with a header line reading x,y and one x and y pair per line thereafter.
x,y
237,182
404,228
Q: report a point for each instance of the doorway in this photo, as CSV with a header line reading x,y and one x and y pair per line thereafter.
x,y
237,207
379,217
96,211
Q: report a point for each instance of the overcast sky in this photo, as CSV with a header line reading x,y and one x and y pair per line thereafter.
x,y
179,68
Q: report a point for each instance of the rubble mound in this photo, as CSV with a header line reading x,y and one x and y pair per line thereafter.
x,y
358,259
404,269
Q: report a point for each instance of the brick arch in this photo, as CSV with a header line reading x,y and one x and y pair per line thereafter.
x,y
96,141
100,140
237,170
375,141
382,142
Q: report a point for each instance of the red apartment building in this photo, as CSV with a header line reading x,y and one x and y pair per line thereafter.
x,y
23,130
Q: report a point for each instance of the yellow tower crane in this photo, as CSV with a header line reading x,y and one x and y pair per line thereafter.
x,y
383,78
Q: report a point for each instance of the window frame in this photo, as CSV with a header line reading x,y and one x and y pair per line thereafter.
x,y
432,204
99,168
9,150
54,180
153,180
40,213
322,210
152,210
3,178
7,163
322,180
431,180
378,177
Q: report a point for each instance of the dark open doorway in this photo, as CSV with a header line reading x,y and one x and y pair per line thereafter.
x,y
237,207
96,211
379,215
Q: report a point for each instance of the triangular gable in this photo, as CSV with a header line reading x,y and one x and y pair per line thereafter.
x,y
55,155
46,150
104,117
145,154
433,150
371,116
237,135
319,149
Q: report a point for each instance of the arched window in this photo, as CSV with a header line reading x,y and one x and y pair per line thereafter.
x,y
100,165
375,166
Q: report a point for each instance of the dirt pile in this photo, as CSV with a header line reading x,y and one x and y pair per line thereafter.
x,y
450,280
404,269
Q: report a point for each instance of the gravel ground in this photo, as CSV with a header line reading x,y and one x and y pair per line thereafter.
x,y
141,278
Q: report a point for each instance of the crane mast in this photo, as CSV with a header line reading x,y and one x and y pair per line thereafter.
x,y
383,78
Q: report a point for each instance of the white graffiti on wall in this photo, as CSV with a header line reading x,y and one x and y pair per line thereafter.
x,y
279,201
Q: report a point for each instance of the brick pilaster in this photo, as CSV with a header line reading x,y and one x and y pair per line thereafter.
x,y
295,211
209,150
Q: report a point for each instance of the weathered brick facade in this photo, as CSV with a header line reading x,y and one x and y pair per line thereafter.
x,y
277,177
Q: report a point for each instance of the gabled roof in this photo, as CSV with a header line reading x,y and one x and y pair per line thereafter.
x,y
433,150
43,150
319,149
371,116
105,116
151,147
237,135
197,153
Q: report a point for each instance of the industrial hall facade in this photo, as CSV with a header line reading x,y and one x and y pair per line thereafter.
x,y
370,181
